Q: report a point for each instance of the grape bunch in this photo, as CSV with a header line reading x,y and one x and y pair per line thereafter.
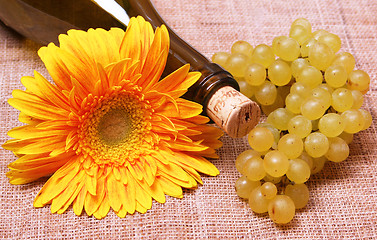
x,y
312,97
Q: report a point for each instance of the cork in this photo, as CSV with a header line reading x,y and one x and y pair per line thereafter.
x,y
232,111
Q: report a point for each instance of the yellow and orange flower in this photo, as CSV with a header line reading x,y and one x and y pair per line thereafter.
x,y
109,130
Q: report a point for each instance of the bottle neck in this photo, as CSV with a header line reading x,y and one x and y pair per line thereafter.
x,y
213,76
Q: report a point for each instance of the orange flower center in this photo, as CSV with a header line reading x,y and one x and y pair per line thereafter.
x,y
114,129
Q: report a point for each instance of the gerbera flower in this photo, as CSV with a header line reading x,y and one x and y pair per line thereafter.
x,y
109,131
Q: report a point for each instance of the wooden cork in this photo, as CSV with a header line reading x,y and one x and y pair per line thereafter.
x,y
235,113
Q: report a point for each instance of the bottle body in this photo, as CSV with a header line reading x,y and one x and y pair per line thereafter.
x,y
44,20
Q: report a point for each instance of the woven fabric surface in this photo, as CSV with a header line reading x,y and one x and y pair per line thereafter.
x,y
343,197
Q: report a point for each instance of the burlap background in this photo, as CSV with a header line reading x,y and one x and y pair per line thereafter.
x,y
343,198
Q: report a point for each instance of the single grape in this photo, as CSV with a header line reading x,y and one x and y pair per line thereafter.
x,y
367,118
273,130
338,150
272,179
342,99
286,48
304,50
263,55
358,80
297,65
321,56
280,118
346,60
331,125
242,47
323,95
307,158
326,87
266,93
261,139
293,103
301,89
275,163
331,40
269,190
299,193
320,32
316,144
243,158
300,126
354,121
318,164
245,88
358,99
220,58
312,108
298,171
310,76
291,145
236,64
281,209
303,22
279,73
255,74
253,169
348,137
257,202
244,187
299,33
336,76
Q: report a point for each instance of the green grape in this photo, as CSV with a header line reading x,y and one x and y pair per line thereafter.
x,y
220,58
346,60
326,87
236,64
244,187
321,56
291,145
301,89
299,193
336,76
243,158
338,150
257,202
253,169
286,48
342,99
331,40
299,33
331,125
312,108
303,22
316,144
280,118
308,159
279,103
281,209
348,137
304,50
245,88
358,99
274,132
263,55
318,164
319,33
293,103
268,190
255,74
275,163
298,171
367,118
260,139
242,47
300,126
279,73
272,179
297,65
323,95
266,93
358,80
310,76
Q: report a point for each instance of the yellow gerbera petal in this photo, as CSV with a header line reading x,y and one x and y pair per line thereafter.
x,y
111,133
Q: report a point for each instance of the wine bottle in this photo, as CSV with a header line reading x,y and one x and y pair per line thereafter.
x,y
216,90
